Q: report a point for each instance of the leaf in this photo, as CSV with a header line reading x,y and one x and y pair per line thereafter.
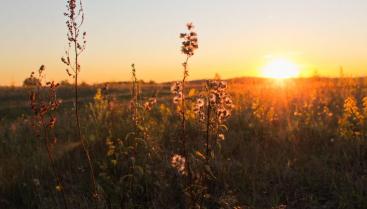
x,y
199,154
224,127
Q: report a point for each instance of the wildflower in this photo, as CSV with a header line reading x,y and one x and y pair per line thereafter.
x,y
76,40
200,103
177,91
177,98
76,43
220,100
176,87
189,45
212,99
213,110
178,162
41,106
150,103
43,119
189,26
190,41
199,108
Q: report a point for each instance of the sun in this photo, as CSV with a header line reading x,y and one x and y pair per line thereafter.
x,y
280,69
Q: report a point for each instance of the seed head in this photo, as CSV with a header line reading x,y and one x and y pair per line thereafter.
x,y
190,41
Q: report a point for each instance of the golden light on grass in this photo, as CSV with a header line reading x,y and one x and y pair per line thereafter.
x,y
280,68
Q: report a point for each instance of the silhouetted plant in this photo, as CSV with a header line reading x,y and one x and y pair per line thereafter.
x,y
43,102
213,109
76,46
188,47
135,91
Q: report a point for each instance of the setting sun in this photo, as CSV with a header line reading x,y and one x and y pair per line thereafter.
x,y
280,69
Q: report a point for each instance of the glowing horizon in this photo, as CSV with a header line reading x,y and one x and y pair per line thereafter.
x,y
316,36
280,68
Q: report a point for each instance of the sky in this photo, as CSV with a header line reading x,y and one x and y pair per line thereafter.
x,y
236,38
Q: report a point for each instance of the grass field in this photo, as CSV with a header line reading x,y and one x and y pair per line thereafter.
x,y
276,142
298,143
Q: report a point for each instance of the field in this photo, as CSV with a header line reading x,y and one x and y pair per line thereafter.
x,y
296,143
280,138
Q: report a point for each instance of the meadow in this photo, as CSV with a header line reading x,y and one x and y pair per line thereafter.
x,y
241,143
299,143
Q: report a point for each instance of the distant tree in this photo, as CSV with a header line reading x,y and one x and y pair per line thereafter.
x,y
31,81
65,83
152,82
84,84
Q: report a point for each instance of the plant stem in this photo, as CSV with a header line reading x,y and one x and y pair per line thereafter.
x,y
183,121
208,130
52,162
86,151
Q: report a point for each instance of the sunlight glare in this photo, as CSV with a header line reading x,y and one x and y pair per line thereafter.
x,y
280,69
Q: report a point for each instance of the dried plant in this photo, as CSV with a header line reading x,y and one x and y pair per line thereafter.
x,y
43,102
76,46
214,108
135,91
188,47
179,162
137,106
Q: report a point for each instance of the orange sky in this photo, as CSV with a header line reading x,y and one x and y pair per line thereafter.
x,y
236,38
